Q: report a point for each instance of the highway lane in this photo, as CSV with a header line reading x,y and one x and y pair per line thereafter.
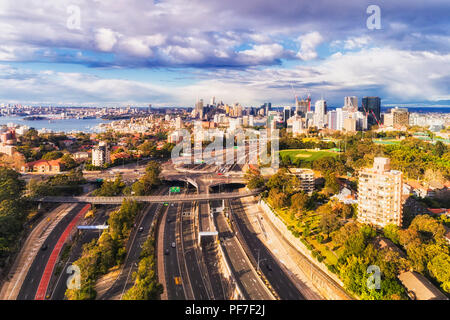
x,y
34,275
277,278
171,264
134,247
30,248
251,286
196,277
86,236
209,252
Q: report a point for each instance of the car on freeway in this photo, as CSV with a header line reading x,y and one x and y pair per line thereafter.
x,y
141,229
173,244
269,267
166,252
44,247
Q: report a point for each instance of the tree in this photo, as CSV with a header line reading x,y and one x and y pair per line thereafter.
x,y
331,183
68,161
329,220
391,232
439,268
299,202
428,228
11,186
110,188
53,155
149,181
277,199
254,180
439,149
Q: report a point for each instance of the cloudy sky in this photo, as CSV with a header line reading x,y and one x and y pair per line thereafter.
x,y
171,52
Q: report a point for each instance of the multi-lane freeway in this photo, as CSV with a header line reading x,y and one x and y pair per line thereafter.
x,y
33,278
246,277
261,256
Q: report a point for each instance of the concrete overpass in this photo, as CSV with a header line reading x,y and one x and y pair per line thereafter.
x,y
150,199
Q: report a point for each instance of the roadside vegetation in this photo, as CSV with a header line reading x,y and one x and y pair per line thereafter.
x,y
99,256
13,213
146,285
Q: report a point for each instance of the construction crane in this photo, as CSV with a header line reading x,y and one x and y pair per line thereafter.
x,y
293,92
378,122
373,114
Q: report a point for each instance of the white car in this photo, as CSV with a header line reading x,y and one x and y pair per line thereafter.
x,y
173,244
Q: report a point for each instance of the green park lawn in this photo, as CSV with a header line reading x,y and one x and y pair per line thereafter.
x,y
307,155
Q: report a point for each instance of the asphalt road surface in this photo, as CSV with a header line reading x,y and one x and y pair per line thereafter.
x,y
252,288
191,256
34,275
171,264
281,283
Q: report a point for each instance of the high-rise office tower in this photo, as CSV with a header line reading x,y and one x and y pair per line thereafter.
x,y
332,118
267,107
372,107
287,113
199,108
380,194
351,103
302,106
397,118
319,113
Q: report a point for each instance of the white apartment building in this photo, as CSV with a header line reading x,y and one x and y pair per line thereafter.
x,y
101,155
380,194
306,177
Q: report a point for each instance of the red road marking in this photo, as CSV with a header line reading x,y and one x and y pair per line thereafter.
x,y
48,271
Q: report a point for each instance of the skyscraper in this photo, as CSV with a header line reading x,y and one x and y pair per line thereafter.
x,y
372,107
302,106
380,194
267,107
319,113
351,103
199,109
397,118
287,113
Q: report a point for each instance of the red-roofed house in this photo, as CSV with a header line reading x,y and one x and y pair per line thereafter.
x,y
43,166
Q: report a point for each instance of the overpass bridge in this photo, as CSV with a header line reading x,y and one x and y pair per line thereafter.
x,y
149,199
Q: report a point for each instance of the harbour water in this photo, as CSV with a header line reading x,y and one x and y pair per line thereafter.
x,y
57,125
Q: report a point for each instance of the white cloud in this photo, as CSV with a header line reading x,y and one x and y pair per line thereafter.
x,y
356,42
105,39
308,44
136,47
262,53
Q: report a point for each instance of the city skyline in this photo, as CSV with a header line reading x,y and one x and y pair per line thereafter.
x,y
88,52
